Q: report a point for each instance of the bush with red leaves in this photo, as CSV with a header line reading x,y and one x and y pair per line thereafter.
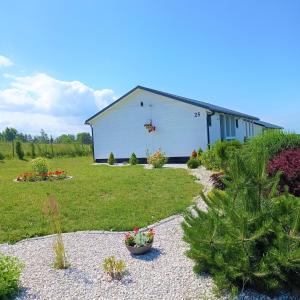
x,y
288,162
217,182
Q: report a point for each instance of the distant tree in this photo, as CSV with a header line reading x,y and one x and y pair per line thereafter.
x,y
65,139
9,136
44,137
19,150
84,138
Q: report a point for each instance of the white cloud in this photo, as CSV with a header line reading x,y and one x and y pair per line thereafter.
x,y
5,61
41,101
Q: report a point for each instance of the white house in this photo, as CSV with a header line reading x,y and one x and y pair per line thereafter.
x,y
145,120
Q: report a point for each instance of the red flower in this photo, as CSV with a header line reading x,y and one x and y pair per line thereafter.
x,y
135,230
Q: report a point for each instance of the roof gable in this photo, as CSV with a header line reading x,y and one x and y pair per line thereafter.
x,y
205,105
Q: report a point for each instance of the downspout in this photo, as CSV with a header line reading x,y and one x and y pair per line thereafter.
x,y
208,123
92,142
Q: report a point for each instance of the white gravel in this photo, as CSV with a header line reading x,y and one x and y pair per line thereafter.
x,y
164,273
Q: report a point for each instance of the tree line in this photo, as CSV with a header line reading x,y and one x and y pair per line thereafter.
x,y
11,134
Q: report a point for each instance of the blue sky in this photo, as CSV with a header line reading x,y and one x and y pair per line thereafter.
x,y
67,59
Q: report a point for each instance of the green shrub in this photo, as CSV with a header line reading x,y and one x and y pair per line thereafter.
x,y
133,160
39,165
210,159
1,156
217,157
248,238
157,159
193,163
199,152
19,150
111,159
32,152
274,141
10,271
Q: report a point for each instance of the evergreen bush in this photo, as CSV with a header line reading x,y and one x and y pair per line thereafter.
x,y
193,163
19,150
1,156
248,238
133,160
111,159
32,148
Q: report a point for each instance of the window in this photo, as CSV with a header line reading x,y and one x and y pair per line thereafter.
x,y
142,103
237,123
228,125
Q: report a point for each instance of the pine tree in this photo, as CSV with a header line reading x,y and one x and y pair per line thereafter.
x,y
19,150
111,159
133,159
249,237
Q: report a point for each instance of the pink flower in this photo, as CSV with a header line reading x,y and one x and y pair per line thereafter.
x,y
127,235
135,230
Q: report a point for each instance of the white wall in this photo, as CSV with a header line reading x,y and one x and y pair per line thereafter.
x,y
121,129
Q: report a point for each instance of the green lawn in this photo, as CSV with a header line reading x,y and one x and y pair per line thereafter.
x,y
97,198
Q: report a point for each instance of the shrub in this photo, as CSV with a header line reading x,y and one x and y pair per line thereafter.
x,y
248,238
1,156
217,180
39,165
114,268
217,157
133,159
32,148
157,160
51,211
10,271
193,163
273,141
111,159
210,160
199,152
288,162
19,150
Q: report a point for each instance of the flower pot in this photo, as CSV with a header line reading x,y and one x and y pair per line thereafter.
x,y
139,250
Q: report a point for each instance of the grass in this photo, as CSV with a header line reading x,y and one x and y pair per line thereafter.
x,y
97,198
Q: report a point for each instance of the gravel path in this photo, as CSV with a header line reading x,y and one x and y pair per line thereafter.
x,y
163,273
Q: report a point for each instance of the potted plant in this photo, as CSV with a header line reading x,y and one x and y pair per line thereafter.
x,y
139,242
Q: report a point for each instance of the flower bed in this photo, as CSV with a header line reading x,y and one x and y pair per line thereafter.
x,y
49,176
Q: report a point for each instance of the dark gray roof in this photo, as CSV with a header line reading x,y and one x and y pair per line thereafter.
x,y
205,105
267,125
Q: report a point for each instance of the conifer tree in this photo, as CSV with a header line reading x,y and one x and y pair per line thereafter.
x,y
249,237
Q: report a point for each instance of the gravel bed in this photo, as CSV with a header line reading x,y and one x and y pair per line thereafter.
x,y
164,273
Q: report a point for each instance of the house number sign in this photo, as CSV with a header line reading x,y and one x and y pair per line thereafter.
x,y
197,114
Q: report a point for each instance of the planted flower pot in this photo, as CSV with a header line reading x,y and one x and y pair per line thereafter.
x,y
139,242
139,250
